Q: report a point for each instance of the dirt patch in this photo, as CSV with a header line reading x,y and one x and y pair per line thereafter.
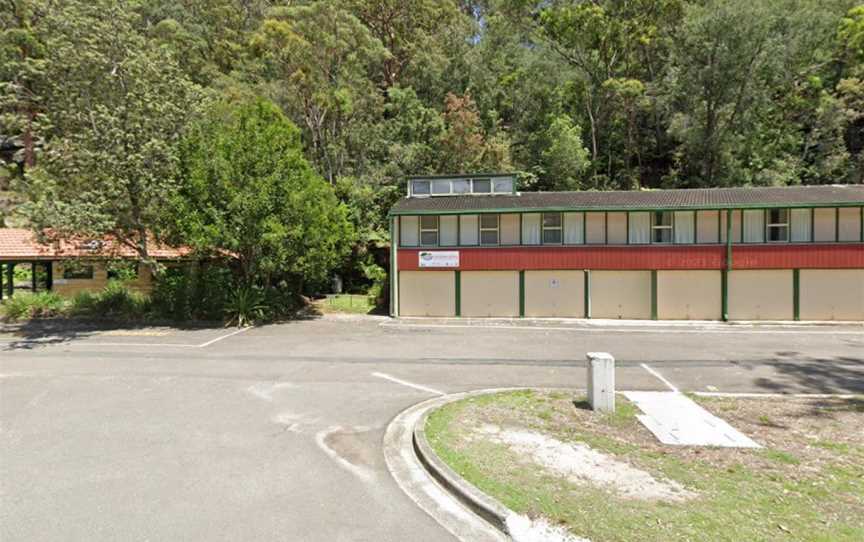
x,y
580,464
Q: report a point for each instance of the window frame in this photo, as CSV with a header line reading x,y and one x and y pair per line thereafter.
x,y
76,271
774,226
496,229
559,228
428,230
663,227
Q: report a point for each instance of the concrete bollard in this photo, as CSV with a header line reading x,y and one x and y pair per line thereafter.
x,y
601,381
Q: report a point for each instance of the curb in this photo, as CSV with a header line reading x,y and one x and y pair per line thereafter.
x,y
478,502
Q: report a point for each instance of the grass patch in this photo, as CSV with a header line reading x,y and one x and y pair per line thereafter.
x,y
345,304
796,488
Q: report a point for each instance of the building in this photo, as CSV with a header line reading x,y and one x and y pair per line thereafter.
x,y
69,267
474,246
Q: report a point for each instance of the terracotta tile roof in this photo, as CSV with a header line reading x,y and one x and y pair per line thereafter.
x,y
698,198
17,243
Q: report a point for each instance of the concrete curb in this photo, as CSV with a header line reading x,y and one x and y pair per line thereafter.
x,y
478,502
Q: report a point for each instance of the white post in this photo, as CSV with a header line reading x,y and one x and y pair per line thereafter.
x,y
601,381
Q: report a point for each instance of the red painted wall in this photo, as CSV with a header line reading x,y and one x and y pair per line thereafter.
x,y
835,256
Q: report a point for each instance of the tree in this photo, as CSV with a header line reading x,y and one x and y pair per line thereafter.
x,y
566,159
117,103
315,62
248,191
465,145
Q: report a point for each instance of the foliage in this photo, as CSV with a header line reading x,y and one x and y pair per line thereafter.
x,y
246,305
116,301
249,192
24,306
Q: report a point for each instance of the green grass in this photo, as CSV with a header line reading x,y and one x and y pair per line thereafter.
x,y
750,497
347,303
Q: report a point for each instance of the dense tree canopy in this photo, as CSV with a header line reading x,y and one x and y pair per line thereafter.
x,y
570,94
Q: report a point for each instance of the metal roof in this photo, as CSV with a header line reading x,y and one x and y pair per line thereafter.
x,y
695,198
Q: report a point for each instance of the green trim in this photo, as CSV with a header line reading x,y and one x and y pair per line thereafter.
x,y
695,228
605,228
724,294
567,209
587,291
522,294
393,256
837,225
719,227
729,238
653,294
812,225
458,278
796,294
584,228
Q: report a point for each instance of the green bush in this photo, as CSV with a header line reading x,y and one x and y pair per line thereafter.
x,y
114,301
183,293
246,305
23,306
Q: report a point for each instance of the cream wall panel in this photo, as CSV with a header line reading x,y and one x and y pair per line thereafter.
x,y
689,295
736,226
555,294
448,230
595,228
617,228
71,287
831,294
824,225
409,231
760,295
490,293
427,293
850,224
707,227
621,294
509,229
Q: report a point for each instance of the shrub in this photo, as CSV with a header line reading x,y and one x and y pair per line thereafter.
x,y
245,306
23,306
114,301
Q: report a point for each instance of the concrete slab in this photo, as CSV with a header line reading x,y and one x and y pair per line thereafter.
x,y
675,419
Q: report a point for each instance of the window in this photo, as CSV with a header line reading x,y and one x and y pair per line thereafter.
x,y
428,231
420,188
488,229
661,227
531,229
574,226
640,228
75,270
409,227
122,270
685,227
754,226
461,186
440,187
468,228
778,225
502,185
552,234
448,231
802,228
482,186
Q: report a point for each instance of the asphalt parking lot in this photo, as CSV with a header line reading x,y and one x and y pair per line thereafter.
x,y
274,432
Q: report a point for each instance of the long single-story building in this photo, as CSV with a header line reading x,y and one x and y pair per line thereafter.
x,y
71,266
473,246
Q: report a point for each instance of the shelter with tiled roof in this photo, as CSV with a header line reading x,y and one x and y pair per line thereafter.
x,y
473,245
72,265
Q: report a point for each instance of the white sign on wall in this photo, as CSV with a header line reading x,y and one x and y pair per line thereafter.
x,y
439,258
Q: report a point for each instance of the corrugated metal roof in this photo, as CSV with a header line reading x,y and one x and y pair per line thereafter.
x,y
696,198
21,244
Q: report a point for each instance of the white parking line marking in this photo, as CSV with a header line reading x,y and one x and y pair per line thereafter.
x,y
595,329
409,384
95,343
217,339
659,377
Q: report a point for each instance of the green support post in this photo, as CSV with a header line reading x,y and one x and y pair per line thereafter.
x,y
587,287
393,307
522,294
724,294
10,278
796,294
653,294
727,268
458,275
